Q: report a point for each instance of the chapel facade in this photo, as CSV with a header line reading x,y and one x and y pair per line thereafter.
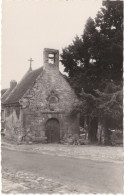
x,y
41,104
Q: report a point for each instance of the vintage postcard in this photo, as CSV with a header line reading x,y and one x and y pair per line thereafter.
x,y
61,96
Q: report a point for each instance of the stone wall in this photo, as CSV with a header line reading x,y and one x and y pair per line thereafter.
x,y
47,85
35,122
13,122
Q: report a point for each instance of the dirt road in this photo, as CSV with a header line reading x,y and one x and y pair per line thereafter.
x,y
79,175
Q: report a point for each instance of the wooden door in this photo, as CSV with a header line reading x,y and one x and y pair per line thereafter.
x,y
53,131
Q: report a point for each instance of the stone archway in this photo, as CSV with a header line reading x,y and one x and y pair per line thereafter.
x,y
52,130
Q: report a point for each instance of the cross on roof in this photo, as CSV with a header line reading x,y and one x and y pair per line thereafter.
x,y
30,63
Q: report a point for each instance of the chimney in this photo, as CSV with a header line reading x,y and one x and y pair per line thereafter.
x,y
51,59
13,83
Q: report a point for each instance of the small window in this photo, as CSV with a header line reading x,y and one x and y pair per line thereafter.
x,y
51,58
2,115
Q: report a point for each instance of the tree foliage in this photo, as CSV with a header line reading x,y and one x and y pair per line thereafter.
x,y
107,105
97,57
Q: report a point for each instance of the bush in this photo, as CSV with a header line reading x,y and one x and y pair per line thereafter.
x,y
71,139
116,137
41,139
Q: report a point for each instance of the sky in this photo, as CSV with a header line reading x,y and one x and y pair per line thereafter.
x,y
29,26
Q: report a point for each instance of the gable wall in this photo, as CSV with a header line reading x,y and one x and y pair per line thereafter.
x,y
47,82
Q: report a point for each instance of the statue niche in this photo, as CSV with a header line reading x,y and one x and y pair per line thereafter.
x,y
53,101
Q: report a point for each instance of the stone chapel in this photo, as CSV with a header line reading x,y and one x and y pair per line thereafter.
x,y
40,104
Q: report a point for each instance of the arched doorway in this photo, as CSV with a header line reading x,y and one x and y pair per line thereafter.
x,y
53,131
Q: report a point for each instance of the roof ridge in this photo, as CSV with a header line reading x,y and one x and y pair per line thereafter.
x,y
23,85
14,88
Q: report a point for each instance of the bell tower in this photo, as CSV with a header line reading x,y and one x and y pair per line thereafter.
x,y
51,59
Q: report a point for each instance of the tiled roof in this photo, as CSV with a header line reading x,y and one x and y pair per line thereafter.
x,y
21,88
3,91
6,95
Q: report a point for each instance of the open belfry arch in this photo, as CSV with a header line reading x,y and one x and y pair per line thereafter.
x,y
40,104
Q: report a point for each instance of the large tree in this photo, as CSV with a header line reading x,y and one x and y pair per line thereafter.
x,y
94,62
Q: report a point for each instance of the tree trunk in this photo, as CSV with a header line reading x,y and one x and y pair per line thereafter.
x,y
93,126
100,136
103,133
86,127
89,126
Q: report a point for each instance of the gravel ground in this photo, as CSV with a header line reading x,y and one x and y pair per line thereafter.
x,y
20,182
24,182
100,153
